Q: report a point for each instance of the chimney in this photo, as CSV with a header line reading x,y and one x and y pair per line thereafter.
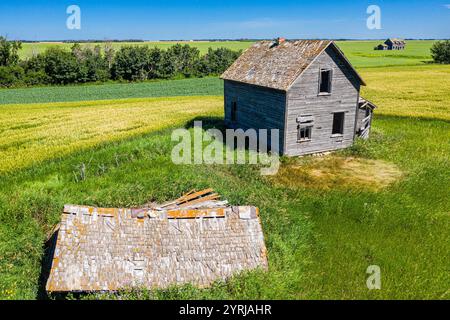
x,y
280,40
276,42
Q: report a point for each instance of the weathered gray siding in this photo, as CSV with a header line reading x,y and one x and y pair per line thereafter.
x,y
304,99
257,107
364,122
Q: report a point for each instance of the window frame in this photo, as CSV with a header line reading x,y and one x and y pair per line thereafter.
x,y
330,82
308,133
342,125
306,124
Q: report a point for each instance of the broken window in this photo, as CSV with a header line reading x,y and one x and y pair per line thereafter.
x,y
304,133
325,81
338,123
304,128
234,111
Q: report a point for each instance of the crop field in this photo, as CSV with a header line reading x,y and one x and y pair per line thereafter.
x,y
170,88
324,220
30,49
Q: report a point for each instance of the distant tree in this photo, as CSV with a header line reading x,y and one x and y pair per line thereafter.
x,y
184,58
11,76
9,52
441,52
61,66
109,54
92,65
131,63
155,63
216,61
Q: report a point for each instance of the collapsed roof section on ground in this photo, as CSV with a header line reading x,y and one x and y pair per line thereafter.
x,y
111,249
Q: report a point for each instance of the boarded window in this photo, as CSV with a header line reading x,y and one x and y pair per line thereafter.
x,y
338,123
325,81
304,128
234,111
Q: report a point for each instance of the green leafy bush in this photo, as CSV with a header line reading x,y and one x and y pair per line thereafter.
x,y
11,76
441,52
9,52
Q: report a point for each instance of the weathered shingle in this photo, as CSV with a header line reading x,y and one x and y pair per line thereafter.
x,y
277,65
111,249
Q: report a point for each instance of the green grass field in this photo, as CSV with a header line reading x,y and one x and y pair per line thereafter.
x,y
320,239
361,53
30,49
171,88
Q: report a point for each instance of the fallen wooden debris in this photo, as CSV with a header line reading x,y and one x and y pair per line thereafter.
x,y
196,239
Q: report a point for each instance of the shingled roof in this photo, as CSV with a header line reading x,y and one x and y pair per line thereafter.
x,y
278,65
396,41
111,249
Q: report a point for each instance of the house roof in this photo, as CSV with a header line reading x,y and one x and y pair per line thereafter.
x,y
100,249
364,103
277,66
395,41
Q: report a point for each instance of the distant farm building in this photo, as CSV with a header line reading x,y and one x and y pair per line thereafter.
x,y
306,89
382,47
392,44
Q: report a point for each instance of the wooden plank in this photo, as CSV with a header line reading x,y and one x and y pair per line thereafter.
x,y
194,196
196,213
190,195
213,196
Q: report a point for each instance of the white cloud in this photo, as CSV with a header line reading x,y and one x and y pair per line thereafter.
x,y
447,6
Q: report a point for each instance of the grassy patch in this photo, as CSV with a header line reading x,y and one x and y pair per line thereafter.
x,y
336,172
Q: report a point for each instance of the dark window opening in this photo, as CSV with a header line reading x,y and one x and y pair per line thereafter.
x,y
338,123
234,111
304,133
325,81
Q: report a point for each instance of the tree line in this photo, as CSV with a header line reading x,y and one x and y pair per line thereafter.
x,y
84,64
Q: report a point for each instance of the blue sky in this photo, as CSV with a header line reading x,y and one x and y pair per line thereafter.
x,y
202,19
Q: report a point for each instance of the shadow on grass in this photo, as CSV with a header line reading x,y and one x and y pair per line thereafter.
x,y
46,265
208,123
219,124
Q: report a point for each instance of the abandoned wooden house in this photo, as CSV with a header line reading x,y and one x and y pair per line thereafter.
x,y
306,89
395,44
